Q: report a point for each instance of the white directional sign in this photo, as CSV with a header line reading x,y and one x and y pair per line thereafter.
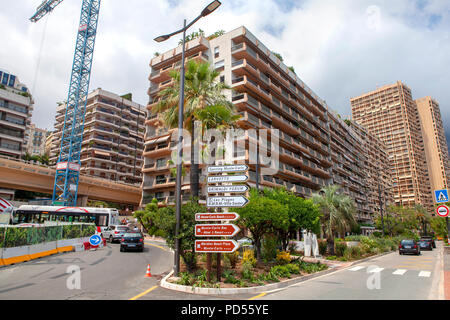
x,y
222,189
229,168
229,202
220,179
441,195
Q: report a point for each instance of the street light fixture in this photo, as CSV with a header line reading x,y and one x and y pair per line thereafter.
x,y
209,9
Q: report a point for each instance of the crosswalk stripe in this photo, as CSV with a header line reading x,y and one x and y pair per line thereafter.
x,y
356,268
400,272
375,270
425,274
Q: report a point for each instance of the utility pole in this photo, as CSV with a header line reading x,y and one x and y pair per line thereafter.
x,y
381,206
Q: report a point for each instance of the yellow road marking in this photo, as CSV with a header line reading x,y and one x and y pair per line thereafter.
x,y
258,296
154,245
144,293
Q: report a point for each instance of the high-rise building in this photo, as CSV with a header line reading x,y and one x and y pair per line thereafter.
x,y
113,137
315,149
391,114
436,149
16,107
36,140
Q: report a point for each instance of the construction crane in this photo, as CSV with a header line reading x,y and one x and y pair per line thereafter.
x,y
68,165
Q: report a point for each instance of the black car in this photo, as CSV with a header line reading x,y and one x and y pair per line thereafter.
x,y
132,241
429,239
409,246
425,245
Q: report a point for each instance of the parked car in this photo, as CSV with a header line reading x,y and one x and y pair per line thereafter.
x,y
425,245
430,239
409,246
132,241
115,232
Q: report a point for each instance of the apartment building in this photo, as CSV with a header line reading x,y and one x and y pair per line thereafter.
x,y
36,140
16,108
435,142
391,114
377,170
113,138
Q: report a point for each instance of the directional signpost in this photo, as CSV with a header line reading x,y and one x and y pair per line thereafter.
x,y
218,175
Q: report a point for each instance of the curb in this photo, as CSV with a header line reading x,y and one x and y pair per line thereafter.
x,y
258,289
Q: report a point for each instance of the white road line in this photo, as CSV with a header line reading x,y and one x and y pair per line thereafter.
x,y
400,272
356,268
375,270
425,274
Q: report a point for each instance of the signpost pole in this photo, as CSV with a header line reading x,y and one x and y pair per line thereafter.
x,y
208,266
219,271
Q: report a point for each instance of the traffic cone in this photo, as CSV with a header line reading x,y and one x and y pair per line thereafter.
x,y
148,274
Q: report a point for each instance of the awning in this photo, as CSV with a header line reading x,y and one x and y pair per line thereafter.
x,y
101,153
157,140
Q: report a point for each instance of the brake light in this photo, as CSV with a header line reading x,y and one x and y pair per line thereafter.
x,y
415,246
399,246
116,232
122,240
141,240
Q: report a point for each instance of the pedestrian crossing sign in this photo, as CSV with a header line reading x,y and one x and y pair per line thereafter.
x,y
441,195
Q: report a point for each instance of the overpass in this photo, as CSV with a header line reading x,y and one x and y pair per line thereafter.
x,y
20,175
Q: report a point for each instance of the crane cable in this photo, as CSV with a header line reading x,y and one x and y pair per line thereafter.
x,y
38,63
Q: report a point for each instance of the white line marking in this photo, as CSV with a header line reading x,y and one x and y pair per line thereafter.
x,y
425,274
356,268
375,270
400,272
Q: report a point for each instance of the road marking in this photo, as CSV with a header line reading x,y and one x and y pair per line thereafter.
x,y
375,270
154,245
400,272
258,296
356,268
144,293
425,274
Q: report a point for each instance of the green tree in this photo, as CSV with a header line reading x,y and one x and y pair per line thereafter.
x,y
338,212
261,216
201,90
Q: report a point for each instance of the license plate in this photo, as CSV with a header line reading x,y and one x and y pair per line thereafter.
x,y
132,245
407,247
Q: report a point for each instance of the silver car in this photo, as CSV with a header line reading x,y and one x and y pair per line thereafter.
x,y
115,232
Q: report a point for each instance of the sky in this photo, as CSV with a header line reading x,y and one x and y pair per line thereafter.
x,y
340,49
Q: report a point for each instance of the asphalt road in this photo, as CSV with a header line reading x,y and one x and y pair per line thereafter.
x,y
389,277
105,274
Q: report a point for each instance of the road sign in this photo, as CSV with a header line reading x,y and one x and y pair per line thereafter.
x,y
228,202
95,240
229,168
223,216
231,189
441,195
217,246
443,211
216,230
220,179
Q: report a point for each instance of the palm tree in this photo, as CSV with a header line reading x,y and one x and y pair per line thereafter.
x,y
201,90
337,213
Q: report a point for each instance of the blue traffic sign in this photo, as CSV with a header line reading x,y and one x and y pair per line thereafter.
x,y
441,195
95,240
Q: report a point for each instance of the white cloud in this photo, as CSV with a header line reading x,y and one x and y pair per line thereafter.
x,y
339,48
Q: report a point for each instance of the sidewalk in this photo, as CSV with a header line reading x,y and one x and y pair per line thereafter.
x,y
447,273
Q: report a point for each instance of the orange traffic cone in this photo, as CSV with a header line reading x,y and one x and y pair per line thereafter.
x,y
148,274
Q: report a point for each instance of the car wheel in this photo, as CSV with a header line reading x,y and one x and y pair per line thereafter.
x,y
121,249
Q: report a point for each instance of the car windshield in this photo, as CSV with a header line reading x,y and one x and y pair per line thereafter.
x,y
132,235
407,242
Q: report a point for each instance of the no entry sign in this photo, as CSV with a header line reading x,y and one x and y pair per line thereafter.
x,y
217,246
443,211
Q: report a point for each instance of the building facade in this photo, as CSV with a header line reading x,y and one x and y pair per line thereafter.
x,y
113,137
315,147
16,108
435,142
391,114
36,140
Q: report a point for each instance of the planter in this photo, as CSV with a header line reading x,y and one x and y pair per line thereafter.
x,y
352,243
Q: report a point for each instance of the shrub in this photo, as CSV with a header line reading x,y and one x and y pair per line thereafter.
x,y
352,253
331,258
247,271
281,271
322,247
269,247
249,256
340,247
309,267
233,258
229,277
283,257
293,268
185,279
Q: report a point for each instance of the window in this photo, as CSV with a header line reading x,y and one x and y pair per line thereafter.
x,y
222,79
216,52
161,163
219,64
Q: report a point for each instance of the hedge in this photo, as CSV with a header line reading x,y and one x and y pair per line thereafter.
x,y
23,236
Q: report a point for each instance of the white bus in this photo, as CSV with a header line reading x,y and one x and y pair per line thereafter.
x,y
50,215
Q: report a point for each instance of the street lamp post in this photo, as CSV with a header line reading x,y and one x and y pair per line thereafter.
x,y
206,11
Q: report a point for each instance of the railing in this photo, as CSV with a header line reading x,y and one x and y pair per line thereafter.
x,y
237,63
237,47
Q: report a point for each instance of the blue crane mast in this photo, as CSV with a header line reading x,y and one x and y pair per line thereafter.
x,y
68,166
